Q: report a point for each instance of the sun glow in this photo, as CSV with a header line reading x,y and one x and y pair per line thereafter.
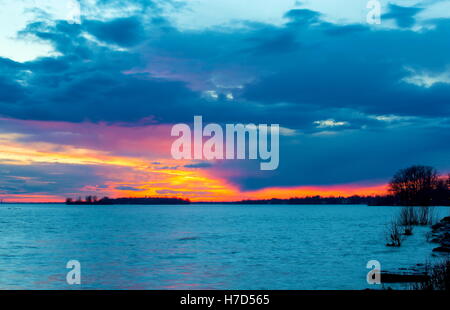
x,y
135,174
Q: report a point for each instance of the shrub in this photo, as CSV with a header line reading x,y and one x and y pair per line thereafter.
x,y
425,216
411,216
394,235
408,230
408,216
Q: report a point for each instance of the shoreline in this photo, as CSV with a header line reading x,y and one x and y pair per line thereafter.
x,y
420,273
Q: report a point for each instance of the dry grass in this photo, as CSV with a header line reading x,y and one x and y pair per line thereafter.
x,y
394,235
438,277
412,216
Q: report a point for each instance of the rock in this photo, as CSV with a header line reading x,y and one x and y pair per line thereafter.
x,y
442,249
446,219
441,234
437,226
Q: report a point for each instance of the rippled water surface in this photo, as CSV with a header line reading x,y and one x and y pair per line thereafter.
x,y
200,247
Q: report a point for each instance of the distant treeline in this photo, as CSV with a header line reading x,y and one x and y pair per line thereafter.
x,y
413,186
92,200
313,200
319,200
387,200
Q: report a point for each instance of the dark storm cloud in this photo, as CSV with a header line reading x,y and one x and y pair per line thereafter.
x,y
46,178
307,61
304,71
87,83
11,92
302,17
365,70
129,188
347,157
120,31
403,16
199,165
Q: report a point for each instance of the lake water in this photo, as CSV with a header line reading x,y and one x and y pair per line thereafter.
x,y
200,246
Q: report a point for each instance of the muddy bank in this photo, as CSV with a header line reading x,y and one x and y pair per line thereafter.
x,y
440,234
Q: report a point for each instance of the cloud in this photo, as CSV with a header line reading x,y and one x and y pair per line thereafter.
x,y
199,165
346,157
426,79
11,92
190,193
165,73
129,188
303,17
403,16
329,123
46,178
121,31
350,72
113,75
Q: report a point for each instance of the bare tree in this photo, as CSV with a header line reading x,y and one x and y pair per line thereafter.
x,y
414,185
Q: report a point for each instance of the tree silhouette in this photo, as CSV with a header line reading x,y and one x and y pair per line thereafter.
x,y
415,185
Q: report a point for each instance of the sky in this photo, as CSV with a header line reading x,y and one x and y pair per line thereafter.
x,y
90,89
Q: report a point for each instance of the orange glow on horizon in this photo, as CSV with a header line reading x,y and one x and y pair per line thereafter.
x,y
229,195
134,174
30,199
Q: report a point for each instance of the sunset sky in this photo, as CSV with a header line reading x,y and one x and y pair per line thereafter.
x,y
87,101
